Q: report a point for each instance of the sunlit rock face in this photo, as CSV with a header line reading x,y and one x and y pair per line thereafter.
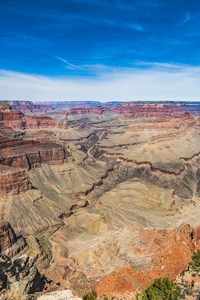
x,y
10,244
107,196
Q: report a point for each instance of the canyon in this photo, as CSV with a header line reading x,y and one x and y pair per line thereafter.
x,y
102,196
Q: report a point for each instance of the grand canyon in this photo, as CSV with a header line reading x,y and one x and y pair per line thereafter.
x,y
101,196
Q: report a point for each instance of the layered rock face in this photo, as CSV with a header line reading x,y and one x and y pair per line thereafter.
x,y
18,154
30,108
10,244
131,109
8,237
139,109
17,120
14,161
28,157
13,180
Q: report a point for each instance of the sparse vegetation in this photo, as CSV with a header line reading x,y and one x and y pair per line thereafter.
x,y
192,283
161,289
182,273
91,296
1,234
195,262
42,277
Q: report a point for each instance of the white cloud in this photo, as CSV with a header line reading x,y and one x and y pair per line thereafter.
x,y
157,82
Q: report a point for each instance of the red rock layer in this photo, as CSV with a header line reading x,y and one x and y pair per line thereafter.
x,y
12,143
19,154
28,107
170,252
14,180
29,157
136,110
18,120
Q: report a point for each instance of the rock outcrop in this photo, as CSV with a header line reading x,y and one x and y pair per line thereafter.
x,y
19,276
10,244
13,180
17,120
61,295
30,157
18,154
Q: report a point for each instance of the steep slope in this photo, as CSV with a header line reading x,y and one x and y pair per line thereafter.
x,y
10,244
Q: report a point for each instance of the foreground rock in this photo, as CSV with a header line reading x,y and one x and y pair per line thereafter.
x,y
61,295
19,276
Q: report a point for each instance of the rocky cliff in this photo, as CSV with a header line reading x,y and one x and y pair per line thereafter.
x,y
18,277
10,244
131,109
139,109
13,180
17,120
18,154
30,108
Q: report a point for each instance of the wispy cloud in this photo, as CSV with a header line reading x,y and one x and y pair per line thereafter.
x,y
189,17
186,20
94,68
63,60
160,81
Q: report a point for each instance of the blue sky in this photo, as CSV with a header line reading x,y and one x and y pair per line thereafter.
x,y
93,43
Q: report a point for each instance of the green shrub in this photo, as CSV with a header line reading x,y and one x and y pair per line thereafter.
x,y
42,277
90,296
195,262
182,273
161,289
1,234
192,283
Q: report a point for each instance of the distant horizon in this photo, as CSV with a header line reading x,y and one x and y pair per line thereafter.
x,y
98,101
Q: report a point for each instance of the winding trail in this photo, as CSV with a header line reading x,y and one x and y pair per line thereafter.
x,y
102,134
